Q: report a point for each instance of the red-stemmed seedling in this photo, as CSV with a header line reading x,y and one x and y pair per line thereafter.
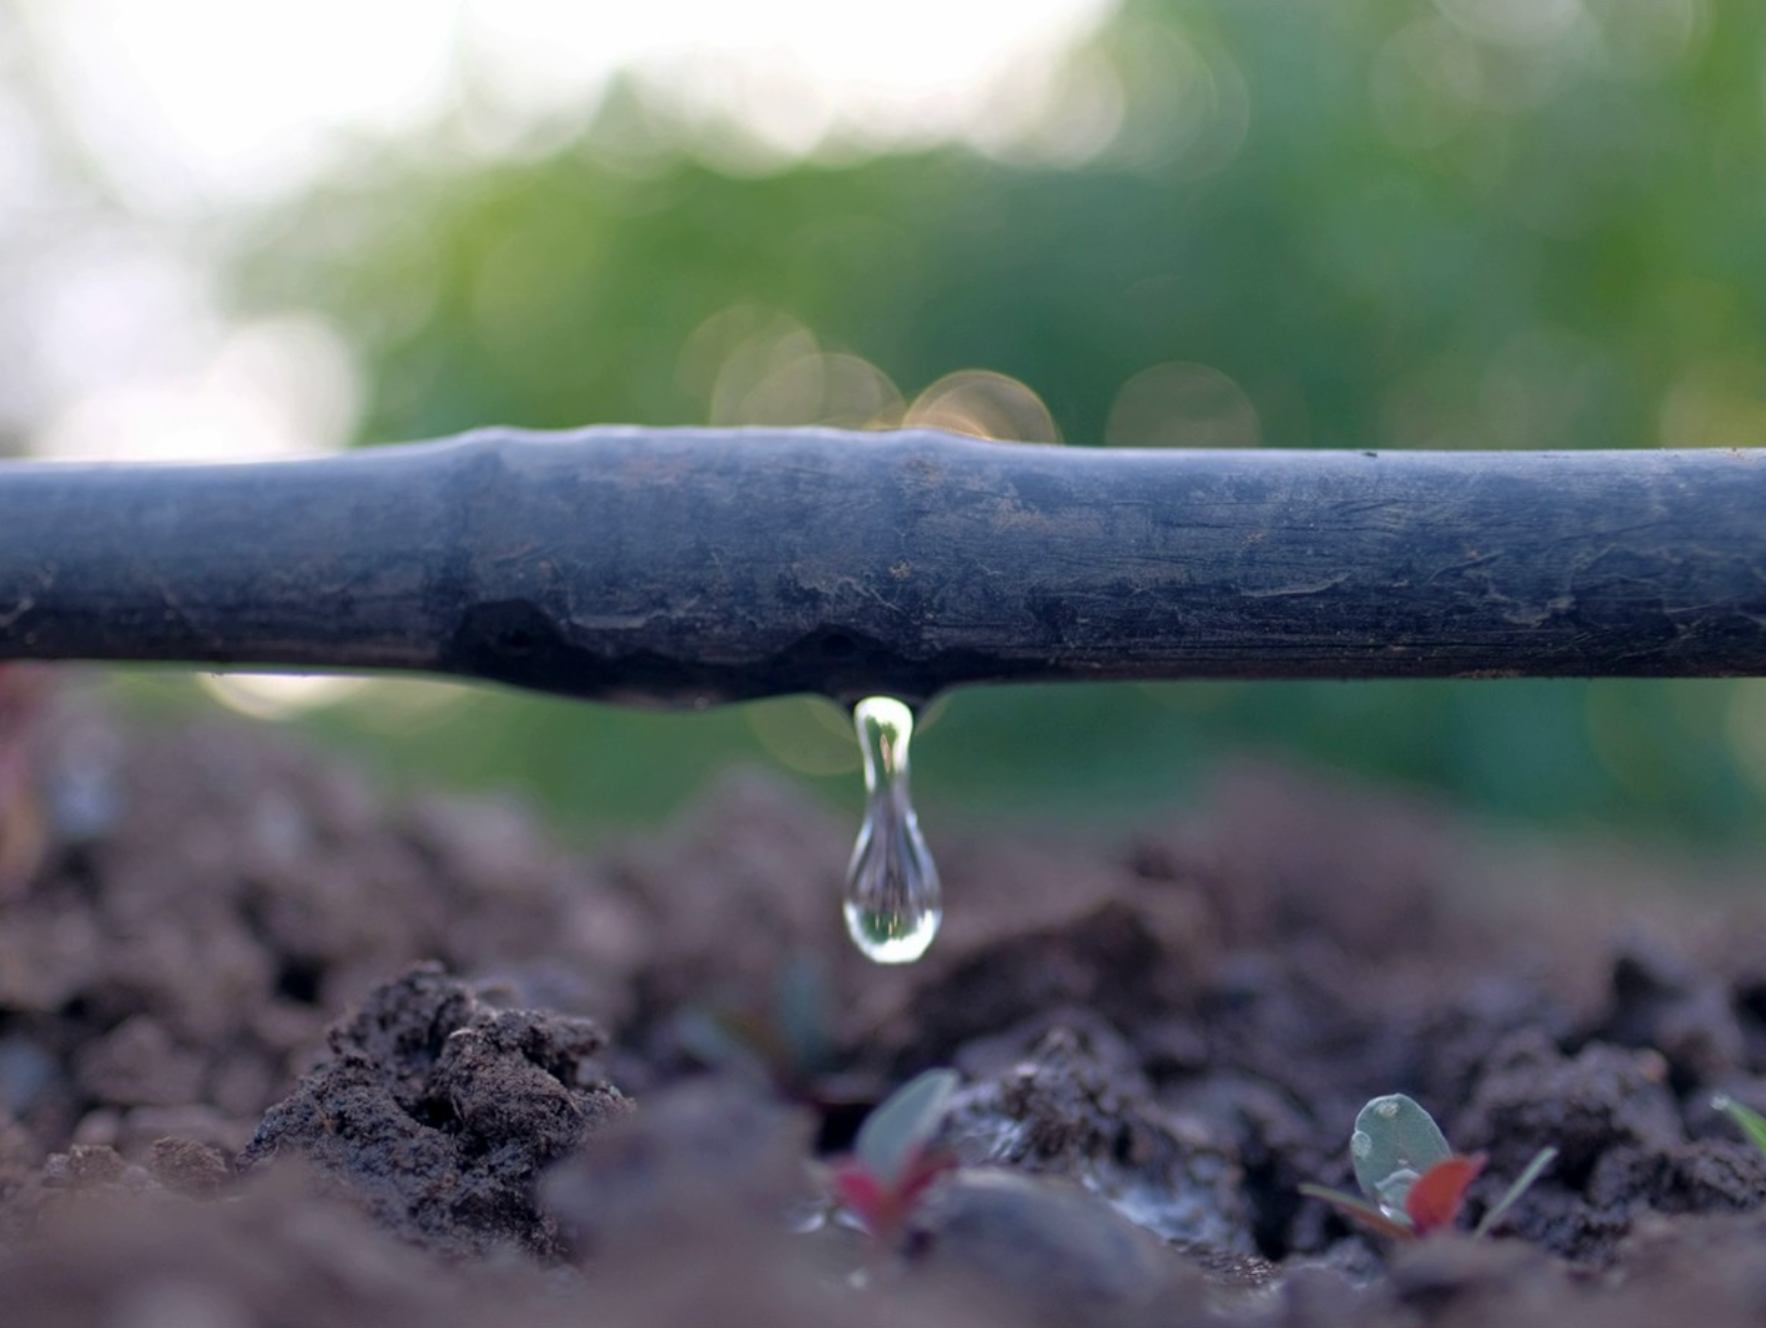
x,y
1414,1182
893,1163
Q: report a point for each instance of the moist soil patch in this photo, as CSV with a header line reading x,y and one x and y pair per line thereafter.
x,y
278,1049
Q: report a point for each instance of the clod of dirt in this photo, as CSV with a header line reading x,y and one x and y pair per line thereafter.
x,y
1622,1150
275,1256
750,879
1122,957
88,1166
437,1111
174,961
1458,1275
191,1169
1533,1094
702,1158
20,1156
1048,1244
1662,1002
1074,1106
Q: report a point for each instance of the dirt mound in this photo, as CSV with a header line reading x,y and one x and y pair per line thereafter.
x,y
220,1073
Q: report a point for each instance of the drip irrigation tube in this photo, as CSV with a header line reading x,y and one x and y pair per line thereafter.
x,y
696,566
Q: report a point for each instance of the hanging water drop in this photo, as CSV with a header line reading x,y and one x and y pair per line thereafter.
x,y
893,899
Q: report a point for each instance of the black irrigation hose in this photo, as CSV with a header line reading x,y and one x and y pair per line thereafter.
x,y
697,566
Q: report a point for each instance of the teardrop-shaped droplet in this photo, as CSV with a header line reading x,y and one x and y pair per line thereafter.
x,y
894,902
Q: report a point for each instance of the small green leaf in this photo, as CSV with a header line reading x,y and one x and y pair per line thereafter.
x,y
893,1135
803,1003
1392,1135
1752,1123
714,1044
1524,1182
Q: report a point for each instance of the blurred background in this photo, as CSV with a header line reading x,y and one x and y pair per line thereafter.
x,y
235,231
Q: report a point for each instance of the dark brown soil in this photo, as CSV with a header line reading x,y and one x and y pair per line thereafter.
x,y
275,1049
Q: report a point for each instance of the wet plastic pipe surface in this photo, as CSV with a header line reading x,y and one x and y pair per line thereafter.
x,y
696,566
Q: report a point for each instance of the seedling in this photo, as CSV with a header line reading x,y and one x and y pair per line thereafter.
x,y
1414,1182
893,1163
1752,1123
789,1047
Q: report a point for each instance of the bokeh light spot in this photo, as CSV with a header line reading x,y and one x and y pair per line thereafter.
x,y
1513,21
984,404
1646,40
807,734
765,343
1188,103
278,696
838,391
1719,402
1181,404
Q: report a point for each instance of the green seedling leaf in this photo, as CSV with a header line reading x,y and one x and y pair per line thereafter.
x,y
1752,1123
803,1004
1369,1215
719,1042
1393,1134
1524,1182
895,1134
712,1042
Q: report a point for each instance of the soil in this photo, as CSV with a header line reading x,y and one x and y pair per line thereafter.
x,y
276,1048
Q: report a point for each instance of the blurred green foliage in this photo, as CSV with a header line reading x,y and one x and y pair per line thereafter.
x,y
1482,223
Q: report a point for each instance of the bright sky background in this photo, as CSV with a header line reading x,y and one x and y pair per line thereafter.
x,y
198,113
190,101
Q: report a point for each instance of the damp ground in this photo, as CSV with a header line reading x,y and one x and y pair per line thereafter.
x,y
276,1048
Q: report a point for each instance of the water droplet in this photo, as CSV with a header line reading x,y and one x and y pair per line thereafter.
x,y
894,902
1361,1143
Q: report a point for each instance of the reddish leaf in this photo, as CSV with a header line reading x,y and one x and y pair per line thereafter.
x,y
858,1191
924,1168
1435,1197
883,1208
